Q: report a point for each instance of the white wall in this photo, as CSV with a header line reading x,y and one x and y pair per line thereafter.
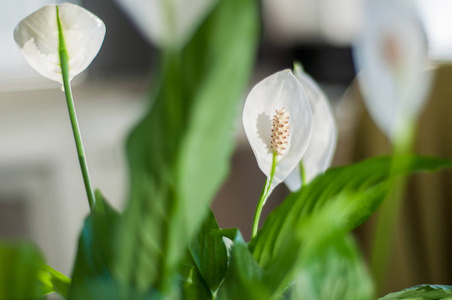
x,y
38,160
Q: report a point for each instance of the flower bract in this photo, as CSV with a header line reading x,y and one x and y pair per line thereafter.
x,y
322,144
280,93
392,53
168,23
37,37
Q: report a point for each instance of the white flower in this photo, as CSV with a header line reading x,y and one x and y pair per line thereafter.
x,y
392,53
322,144
280,96
37,37
168,23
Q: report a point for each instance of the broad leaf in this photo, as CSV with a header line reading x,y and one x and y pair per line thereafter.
x,y
337,273
179,153
193,285
361,187
209,253
330,264
95,252
424,291
244,279
207,260
20,265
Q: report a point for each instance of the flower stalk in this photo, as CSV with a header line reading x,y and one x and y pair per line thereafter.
x,y
279,141
392,53
390,209
264,195
302,172
64,63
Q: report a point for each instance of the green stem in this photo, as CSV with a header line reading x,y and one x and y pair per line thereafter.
x,y
64,61
384,233
390,210
264,195
302,173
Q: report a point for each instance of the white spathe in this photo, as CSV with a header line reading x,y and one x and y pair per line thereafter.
x,y
320,151
392,54
37,37
280,90
168,23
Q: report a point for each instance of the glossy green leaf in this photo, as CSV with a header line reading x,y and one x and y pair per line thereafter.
x,y
193,285
179,153
206,264
361,188
95,252
209,253
53,281
244,279
20,265
424,292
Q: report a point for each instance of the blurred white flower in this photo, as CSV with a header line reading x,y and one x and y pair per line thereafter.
x,y
37,37
280,97
168,23
392,53
322,144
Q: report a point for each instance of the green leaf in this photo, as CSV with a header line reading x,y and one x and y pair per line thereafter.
x,y
193,285
244,279
54,281
179,153
229,233
361,188
95,252
338,272
331,266
210,254
424,292
20,264
206,264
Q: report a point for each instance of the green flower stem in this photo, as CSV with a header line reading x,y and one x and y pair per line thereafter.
x,y
302,173
264,195
389,211
64,62
384,232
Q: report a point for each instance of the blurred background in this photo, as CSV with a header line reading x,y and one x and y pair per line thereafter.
x,y
41,189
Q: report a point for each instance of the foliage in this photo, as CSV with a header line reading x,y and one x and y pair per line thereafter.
x,y
424,291
167,244
21,264
174,174
96,248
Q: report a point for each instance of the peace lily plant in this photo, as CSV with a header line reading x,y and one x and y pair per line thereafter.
x,y
277,121
60,41
166,243
391,55
320,150
296,149
60,35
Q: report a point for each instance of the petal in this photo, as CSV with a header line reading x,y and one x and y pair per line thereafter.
x,y
273,93
168,23
392,52
37,36
320,151
83,33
